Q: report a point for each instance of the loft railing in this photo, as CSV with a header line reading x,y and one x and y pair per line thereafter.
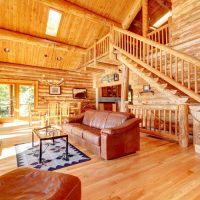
x,y
160,35
178,69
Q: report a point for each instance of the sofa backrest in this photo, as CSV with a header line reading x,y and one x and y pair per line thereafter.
x,y
105,119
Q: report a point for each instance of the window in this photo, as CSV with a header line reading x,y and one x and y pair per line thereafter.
x,y
162,20
53,22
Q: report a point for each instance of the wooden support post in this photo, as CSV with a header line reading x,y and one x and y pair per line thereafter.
x,y
124,88
183,125
111,42
97,98
196,135
145,18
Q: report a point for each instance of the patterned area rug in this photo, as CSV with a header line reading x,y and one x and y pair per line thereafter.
x,y
53,156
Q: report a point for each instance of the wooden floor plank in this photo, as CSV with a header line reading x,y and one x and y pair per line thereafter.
x,y
160,171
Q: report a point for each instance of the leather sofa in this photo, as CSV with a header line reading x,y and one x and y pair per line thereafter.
x,y
107,134
28,183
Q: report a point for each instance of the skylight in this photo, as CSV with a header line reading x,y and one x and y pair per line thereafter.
x,y
162,20
53,22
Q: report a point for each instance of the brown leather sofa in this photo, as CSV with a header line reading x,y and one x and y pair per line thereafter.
x,y
28,183
107,134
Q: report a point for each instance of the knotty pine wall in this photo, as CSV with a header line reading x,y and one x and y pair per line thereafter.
x,y
72,80
185,26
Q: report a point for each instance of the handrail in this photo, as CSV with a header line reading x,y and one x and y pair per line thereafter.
x,y
160,35
176,68
160,46
158,120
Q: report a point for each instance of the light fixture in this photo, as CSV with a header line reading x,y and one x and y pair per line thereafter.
x,y
53,22
59,58
6,50
162,20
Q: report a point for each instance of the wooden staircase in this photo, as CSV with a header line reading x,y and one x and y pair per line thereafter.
x,y
172,71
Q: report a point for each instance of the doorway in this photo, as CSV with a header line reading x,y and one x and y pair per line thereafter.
x,y
15,99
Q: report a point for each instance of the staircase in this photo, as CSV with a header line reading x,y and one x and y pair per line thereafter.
x,y
172,71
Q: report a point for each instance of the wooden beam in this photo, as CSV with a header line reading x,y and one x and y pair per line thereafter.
x,y
183,125
23,38
124,88
145,18
137,5
71,8
165,4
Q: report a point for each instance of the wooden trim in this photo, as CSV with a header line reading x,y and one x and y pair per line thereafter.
x,y
71,8
31,40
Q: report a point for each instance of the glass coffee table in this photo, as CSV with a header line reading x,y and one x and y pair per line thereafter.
x,y
48,133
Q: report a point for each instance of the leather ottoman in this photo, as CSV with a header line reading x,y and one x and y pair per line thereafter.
x,y
31,184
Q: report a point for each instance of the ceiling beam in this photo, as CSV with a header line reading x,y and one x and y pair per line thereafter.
x,y
71,8
165,4
136,7
23,38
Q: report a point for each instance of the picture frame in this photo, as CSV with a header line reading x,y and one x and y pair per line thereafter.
x,y
116,77
54,90
146,88
79,93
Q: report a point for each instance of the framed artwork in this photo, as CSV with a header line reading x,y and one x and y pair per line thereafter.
x,y
116,77
79,93
54,90
146,88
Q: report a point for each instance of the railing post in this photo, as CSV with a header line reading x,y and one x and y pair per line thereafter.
x,y
183,125
111,42
95,52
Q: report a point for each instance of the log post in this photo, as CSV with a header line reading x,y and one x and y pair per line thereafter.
x,y
196,135
111,42
145,18
183,125
124,88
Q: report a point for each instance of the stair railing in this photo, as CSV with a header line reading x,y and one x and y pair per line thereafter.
x,y
160,35
176,68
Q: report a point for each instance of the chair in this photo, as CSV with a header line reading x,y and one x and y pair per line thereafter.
x,y
64,110
75,108
33,114
52,112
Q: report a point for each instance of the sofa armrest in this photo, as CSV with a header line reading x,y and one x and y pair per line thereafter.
x,y
125,127
121,140
75,119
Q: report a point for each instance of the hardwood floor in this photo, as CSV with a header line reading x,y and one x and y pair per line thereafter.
x,y
160,171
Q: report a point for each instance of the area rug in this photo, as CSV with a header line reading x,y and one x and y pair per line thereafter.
x,y
53,156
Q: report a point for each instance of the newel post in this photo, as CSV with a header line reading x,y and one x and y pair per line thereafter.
x,y
111,42
183,125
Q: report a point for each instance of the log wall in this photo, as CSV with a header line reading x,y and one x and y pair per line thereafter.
x,y
185,27
72,80
137,83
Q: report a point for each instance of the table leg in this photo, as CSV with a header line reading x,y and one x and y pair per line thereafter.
x,y
66,147
32,139
40,158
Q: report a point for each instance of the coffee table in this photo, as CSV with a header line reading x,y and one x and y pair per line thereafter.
x,y
48,133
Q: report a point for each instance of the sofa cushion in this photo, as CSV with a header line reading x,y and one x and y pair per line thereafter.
x,y
68,127
116,119
99,119
88,117
92,135
78,129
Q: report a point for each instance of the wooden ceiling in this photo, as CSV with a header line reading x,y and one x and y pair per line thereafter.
x,y
83,21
